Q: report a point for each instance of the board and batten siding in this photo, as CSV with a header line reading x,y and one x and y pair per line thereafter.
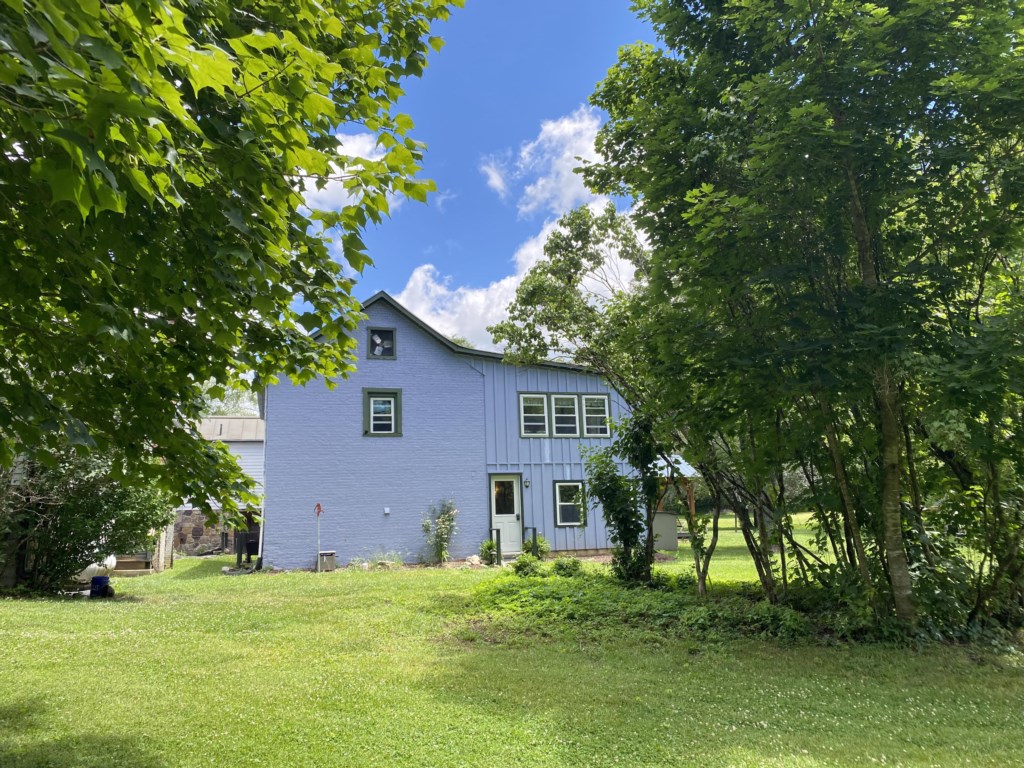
x,y
317,452
543,460
250,458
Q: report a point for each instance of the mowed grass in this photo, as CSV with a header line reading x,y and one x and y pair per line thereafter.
x,y
354,668
731,563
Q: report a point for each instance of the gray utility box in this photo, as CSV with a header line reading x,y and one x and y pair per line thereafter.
x,y
328,561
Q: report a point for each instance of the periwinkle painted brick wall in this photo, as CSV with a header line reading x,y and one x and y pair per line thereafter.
x,y
316,452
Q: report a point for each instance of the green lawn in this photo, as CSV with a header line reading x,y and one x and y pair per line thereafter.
x,y
731,561
354,668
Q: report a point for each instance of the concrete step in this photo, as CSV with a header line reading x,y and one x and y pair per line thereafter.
x,y
132,572
132,563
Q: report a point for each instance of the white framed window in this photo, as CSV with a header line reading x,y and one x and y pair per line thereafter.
x,y
568,496
533,415
565,415
382,412
382,415
595,416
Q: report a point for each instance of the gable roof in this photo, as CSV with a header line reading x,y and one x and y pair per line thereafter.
x,y
389,300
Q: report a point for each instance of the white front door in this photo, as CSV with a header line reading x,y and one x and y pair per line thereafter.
x,y
507,512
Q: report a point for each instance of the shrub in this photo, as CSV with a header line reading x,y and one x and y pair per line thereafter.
x,y
543,546
489,552
526,565
439,527
671,582
594,605
567,566
72,512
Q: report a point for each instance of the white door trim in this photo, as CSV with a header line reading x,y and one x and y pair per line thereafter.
x,y
510,524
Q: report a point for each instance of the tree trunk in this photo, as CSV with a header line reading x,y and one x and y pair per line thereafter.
x,y
702,574
761,562
892,520
888,405
854,540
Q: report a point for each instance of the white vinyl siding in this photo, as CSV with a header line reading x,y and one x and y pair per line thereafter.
x,y
595,416
567,508
533,415
565,414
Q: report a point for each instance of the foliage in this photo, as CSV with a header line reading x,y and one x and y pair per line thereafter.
x,y
74,511
543,546
232,402
597,604
157,158
620,504
834,311
628,504
567,566
527,565
489,552
439,528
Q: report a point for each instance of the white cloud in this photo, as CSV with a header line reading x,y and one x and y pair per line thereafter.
x,y
543,169
542,173
551,158
494,171
441,199
468,311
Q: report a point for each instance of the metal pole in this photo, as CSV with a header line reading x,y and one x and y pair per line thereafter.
x,y
318,543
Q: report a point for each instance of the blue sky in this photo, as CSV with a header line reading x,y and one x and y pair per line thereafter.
x,y
503,111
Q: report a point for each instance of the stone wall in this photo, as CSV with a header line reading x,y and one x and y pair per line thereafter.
x,y
192,535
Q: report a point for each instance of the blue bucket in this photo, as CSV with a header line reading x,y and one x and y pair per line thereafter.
x,y
98,586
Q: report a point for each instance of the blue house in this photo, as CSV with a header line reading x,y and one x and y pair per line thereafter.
x,y
421,420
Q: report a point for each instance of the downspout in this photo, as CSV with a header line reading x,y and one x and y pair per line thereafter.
x,y
263,403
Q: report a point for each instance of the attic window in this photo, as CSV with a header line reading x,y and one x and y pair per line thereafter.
x,y
380,344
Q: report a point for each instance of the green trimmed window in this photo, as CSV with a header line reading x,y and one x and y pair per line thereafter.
x,y
566,416
533,415
382,412
568,496
595,416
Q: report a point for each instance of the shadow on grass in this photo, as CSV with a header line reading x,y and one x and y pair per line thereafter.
x,y
25,742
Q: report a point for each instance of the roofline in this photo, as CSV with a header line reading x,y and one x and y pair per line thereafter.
x,y
451,345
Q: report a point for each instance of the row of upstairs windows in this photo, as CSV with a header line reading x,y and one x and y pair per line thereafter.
x,y
539,415
562,415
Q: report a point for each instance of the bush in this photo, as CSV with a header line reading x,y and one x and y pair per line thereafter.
x,y
439,527
671,582
594,605
76,511
489,552
630,565
543,546
567,566
526,565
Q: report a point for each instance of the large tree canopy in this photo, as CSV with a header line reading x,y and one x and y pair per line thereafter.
x,y
153,226
832,192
